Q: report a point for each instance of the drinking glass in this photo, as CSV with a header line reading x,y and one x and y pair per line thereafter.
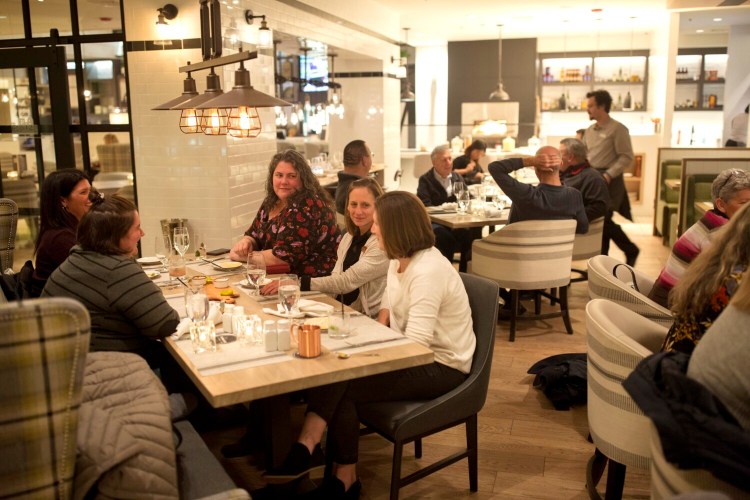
x,y
196,305
163,249
289,293
462,196
255,270
181,240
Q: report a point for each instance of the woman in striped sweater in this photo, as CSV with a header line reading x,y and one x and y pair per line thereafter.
x,y
128,311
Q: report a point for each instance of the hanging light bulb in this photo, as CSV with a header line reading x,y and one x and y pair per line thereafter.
x,y
214,121
190,121
191,116
244,122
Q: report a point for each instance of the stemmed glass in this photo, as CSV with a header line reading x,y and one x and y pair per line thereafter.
x,y
163,249
462,196
289,293
255,270
181,240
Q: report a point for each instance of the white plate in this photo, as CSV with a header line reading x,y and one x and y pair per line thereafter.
x,y
449,206
228,265
148,261
265,282
153,274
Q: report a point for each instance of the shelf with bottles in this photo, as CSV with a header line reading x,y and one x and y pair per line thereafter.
x,y
566,78
700,77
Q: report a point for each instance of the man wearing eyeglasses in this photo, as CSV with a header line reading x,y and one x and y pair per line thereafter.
x,y
357,164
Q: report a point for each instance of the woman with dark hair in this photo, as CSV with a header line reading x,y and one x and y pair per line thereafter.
x,y
65,198
296,223
425,300
467,164
128,311
709,283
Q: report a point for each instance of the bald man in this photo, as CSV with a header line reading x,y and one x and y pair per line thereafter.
x,y
549,200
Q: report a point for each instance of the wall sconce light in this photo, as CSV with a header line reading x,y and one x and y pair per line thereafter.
x,y
168,12
265,36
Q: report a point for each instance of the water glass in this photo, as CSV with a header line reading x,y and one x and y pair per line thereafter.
x,y
203,336
251,330
255,271
162,250
177,266
289,293
196,305
339,325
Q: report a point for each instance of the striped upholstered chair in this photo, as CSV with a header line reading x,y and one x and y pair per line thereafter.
x,y
587,245
668,481
42,358
625,286
8,224
528,255
617,339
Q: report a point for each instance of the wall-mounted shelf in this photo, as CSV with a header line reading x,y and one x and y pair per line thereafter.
x,y
700,79
566,78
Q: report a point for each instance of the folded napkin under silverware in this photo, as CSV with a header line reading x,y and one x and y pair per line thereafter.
x,y
371,342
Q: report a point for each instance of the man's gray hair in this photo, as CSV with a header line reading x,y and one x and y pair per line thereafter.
x,y
575,148
728,183
439,150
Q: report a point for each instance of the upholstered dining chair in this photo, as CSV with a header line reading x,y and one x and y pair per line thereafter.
x,y
667,480
528,255
587,245
42,359
8,225
617,340
616,281
402,422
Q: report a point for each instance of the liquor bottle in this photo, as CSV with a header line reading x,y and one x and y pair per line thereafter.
x,y
563,102
628,101
619,101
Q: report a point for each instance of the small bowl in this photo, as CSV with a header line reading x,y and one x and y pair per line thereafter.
x,y
221,282
198,280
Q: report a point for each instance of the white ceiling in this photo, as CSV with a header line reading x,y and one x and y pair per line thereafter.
x,y
437,21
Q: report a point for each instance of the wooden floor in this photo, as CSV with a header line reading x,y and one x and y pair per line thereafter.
x,y
526,448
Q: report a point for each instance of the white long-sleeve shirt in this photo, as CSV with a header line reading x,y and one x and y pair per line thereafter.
x,y
428,304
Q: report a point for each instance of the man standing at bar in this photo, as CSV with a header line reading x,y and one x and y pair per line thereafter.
x,y
576,172
610,152
357,164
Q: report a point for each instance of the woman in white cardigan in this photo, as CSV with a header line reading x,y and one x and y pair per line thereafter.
x,y
426,301
361,266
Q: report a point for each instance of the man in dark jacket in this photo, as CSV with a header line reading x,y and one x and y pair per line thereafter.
x,y
576,172
435,188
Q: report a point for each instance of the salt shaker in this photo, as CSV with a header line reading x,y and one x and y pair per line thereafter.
x,y
270,337
238,321
282,331
226,318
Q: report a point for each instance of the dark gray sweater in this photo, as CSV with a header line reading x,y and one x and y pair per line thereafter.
x,y
127,309
542,202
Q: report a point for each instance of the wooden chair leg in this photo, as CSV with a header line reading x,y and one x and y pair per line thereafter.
x,y
513,314
472,446
553,296
537,302
564,309
398,450
418,448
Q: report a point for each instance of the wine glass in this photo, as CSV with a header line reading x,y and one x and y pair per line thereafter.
x,y
462,196
255,270
181,240
289,293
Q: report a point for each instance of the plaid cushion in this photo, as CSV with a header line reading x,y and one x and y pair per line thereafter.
x,y
8,223
43,349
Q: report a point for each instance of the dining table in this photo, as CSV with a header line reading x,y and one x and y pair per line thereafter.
x,y
454,220
238,373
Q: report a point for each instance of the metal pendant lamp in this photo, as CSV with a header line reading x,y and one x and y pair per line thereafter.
x,y
191,117
499,94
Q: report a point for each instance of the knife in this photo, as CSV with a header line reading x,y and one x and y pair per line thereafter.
x,y
371,342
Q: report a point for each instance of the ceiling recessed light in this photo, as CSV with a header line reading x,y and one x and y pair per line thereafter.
x,y
717,19
699,31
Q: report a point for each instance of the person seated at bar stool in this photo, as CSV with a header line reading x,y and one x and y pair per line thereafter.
x,y
730,190
359,275
467,165
549,200
296,223
66,197
435,188
426,301
576,172
709,283
357,164
128,311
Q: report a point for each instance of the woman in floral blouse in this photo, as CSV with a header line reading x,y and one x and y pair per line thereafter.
x,y
296,223
708,284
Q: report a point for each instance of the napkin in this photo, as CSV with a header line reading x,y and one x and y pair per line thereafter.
x,y
281,314
312,306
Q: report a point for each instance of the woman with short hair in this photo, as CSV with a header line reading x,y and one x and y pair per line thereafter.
x,y
425,300
296,223
128,311
709,283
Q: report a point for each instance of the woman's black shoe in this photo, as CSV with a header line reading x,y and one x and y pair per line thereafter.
x,y
333,489
297,463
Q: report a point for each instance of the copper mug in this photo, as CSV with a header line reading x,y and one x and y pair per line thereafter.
x,y
308,340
